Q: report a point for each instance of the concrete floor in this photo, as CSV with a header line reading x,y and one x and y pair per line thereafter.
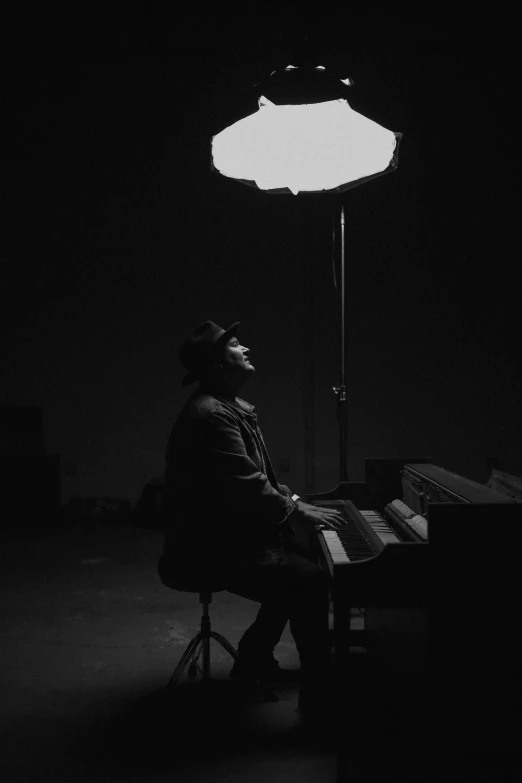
x,y
90,637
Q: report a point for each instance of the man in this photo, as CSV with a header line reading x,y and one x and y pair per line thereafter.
x,y
229,522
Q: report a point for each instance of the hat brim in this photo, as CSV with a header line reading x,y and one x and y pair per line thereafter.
x,y
230,332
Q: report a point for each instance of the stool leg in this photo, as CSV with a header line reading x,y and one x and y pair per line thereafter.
x,y
206,657
225,643
203,638
206,633
185,658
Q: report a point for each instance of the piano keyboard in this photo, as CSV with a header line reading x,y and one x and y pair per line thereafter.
x,y
364,535
383,530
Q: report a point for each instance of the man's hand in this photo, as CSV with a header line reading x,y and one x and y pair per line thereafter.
x,y
315,516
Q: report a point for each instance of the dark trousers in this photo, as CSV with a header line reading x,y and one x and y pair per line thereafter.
x,y
296,592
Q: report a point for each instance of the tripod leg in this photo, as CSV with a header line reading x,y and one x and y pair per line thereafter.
x,y
206,657
225,643
189,652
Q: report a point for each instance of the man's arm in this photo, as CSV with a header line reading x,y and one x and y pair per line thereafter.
x,y
236,478
244,488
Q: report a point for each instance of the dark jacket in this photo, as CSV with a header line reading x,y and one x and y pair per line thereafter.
x,y
223,504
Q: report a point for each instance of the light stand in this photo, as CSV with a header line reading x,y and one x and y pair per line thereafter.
x,y
340,390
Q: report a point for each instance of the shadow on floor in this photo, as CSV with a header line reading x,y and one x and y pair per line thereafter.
x,y
210,733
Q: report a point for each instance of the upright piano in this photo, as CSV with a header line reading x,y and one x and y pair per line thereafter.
x,y
428,562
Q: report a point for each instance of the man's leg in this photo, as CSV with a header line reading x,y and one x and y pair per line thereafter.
x,y
298,592
261,584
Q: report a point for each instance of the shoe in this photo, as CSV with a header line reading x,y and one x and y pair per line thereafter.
x,y
267,671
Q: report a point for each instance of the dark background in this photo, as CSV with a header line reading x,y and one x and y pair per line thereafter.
x,y
118,240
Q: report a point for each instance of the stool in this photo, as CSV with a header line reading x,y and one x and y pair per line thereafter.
x,y
200,646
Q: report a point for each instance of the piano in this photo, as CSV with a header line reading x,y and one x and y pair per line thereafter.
x,y
428,560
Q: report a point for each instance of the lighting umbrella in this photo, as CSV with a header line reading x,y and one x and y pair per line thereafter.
x,y
306,139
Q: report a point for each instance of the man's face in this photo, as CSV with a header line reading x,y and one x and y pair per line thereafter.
x,y
235,359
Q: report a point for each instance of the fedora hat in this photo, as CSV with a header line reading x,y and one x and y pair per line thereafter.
x,y
198,350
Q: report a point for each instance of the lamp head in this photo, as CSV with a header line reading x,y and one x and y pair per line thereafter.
x,y
300,85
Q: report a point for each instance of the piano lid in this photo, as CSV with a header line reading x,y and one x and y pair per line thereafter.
x,y
462,488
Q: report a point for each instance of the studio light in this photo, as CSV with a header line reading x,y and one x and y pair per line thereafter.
x,y
307,148
305,138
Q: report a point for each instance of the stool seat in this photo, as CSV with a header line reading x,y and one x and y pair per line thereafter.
x,y
170,575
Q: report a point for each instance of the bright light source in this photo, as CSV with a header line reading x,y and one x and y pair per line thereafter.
x,y
305,148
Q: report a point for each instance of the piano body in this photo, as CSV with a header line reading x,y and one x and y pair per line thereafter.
x,y
431,558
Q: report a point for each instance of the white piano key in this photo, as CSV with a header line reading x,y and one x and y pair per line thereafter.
x,y
380,527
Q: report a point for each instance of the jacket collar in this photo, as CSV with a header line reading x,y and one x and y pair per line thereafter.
x,y
238,404
245,406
